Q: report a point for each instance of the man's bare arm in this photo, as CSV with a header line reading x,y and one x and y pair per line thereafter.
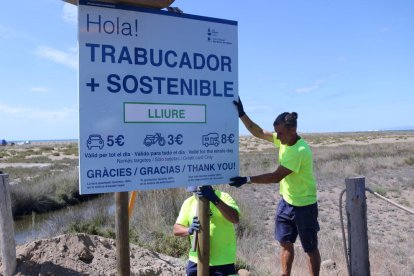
x,y
180,230
255,129
228,212
274,177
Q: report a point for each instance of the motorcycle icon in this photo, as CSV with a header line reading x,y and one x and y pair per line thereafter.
x,y
153,139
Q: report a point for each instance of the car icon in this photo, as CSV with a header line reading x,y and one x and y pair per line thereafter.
x,y
95,141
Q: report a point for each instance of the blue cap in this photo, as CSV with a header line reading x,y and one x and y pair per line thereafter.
x,y
192,189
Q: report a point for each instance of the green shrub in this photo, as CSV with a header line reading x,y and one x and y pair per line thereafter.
x,y
46,149
410,161
4,154
163,243
46,192
242,264
90,228
380,190
71,151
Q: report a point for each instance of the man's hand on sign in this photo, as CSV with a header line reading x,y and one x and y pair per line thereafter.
x,y
208,192
174,9
195,226
155,4
238,181
240,108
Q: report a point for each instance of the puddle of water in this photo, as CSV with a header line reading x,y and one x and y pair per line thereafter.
x,y
30,227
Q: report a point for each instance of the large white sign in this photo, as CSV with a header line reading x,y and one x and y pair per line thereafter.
x,y
156,93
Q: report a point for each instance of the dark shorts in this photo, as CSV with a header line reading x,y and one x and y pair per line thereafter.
x,y
292,221
218,270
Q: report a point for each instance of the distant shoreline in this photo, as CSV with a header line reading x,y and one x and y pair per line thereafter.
x,y
240,135
43,141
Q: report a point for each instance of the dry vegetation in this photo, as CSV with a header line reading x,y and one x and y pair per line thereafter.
x,y
43,176
385,159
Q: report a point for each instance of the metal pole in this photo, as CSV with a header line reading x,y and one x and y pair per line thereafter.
x,y
122,234
203,268
7,242
356,210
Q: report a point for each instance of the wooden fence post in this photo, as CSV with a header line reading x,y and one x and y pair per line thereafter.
x,y
122,234
356,211
7,242
203,266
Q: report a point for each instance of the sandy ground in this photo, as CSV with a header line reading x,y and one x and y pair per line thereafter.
x,y
24,165
88,255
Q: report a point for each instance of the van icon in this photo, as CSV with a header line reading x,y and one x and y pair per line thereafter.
x,y
211,139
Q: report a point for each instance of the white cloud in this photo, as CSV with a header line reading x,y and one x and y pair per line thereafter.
x,y
309,88
41,114
306,89
68,58
342,59
74,50
10,33
70,13
385,29
5,32
10,110
39,89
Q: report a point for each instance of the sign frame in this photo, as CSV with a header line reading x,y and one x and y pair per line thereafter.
x,y
196,75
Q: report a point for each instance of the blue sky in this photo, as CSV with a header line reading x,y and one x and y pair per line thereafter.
x,y
342,65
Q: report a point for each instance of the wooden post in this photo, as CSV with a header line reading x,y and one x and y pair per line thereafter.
x,y
122,234
203,268
356,211
7,242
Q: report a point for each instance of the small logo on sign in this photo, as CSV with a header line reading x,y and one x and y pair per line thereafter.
x,y
213,36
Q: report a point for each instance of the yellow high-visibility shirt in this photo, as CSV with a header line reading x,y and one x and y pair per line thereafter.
x,y
299,187
222,234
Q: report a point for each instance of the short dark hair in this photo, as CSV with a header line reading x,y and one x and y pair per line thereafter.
x,y
288,119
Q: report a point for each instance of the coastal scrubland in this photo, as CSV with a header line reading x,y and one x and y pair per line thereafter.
x,y
44,177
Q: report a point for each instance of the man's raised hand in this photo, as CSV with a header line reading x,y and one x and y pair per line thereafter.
x,y
239,106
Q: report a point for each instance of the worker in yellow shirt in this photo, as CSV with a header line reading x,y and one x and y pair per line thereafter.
x,y
224,213
297,212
